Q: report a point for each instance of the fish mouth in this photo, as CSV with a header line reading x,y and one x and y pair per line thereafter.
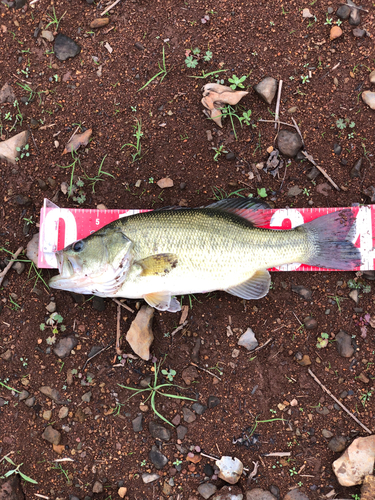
x,y
68,270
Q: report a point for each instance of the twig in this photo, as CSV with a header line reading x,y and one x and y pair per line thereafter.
x,y
278,454
37,494
253,473
32,136
298,130
263,345
273,121
74,133
66,459
356,7
179,328
118,350
123,305
10,264
97,354
338,402
295,315
311,160
277,110
204,369
110,7
31,3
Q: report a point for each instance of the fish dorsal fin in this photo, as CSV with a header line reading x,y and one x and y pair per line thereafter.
x,y
254,288
158,265
253,210
162,301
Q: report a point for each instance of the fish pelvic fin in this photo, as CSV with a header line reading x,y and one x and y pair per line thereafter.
x,y
254,288
162,301
158,265
253,210
331,235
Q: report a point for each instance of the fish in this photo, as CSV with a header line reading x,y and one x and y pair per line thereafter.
x,y
161,254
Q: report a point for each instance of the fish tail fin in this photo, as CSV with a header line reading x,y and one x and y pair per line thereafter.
x,y
331,235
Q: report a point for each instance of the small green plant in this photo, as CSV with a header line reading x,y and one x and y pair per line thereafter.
x,y
237,82
365,398
273,411
231,112
306,192
328,20
154,389
342,124
359,285
72,166
219,151
193,56
339,22
322,340
23,152
54,19
143,463
262,192
207,75
170,374
138,134
53,323
16,471
163,72
305,79
61,471
97,178
177,462
4,384
293,472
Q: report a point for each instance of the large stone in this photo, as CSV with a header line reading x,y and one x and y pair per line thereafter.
x,y
51,435
368,98
65,47
64,346
140,334
289,143
230,469
343,12
266,89
157,458
344,344
248,340
356,462
7,94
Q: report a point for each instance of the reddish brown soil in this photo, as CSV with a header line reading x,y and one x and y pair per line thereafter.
x,y
266,39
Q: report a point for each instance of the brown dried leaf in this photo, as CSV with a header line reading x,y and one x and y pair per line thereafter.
x,y
230,97
215,87
77,141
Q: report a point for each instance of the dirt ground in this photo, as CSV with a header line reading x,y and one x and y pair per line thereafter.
x,y
269,389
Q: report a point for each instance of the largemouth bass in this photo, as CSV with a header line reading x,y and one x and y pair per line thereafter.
x,y
158,255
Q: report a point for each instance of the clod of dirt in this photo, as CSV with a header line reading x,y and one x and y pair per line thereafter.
x,y
140,334
356,462
230,469
248,340
8,148
12,489
64,346
158,431
344,344
231,493
324,189
370,192
304,292
337,444
266,89
77,141
343,12
368,488
122,491
51,435
65,47
259,494
164,183
359,33
99,22
215,96
7,94
189,374
289,143
368,98
98,487
335,32
32,249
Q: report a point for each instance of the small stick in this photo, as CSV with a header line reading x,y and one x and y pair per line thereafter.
x,y
32,136
298,130
118,350
273,121
123,305
74,133
110,7
31,3
277,110
278,454
311,160
37,494
204,369
263,345
66,459
178,328
253,473
338,402
97,353
355,7
295,315
10,264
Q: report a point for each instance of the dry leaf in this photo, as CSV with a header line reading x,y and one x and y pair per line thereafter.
x,y
215,96
8,148
77,141
184,314
165,183
215,87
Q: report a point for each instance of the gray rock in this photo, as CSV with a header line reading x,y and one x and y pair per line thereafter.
x,y
266,89
158,431
64,346
150,478
145,382
7,355
51,308
275,490
63,412
23,395
337,149
206,490
98,303
354,17
22,200
344,344
337,444
213,401
343,12
359,33
48,35
137,423
354,295
7,94
3,402
248,340
304,292
19,267
313,174
51,435
30,401
32,249
368,98
259,494
86,398
189,416
371,76
50,393
356,170
370,192
139,46
181,431
17,4
157,458
288,143
65,47
296,494
327,434
310,323
199,408
98,487
229,493
12,489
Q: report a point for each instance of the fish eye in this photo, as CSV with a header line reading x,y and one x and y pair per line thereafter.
x,y
78,246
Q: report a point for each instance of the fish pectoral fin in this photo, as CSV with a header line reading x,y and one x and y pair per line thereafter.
x,y
254,288
158,265
162,301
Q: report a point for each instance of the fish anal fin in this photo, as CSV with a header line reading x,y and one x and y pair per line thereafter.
x,y
158,265
253,210
162,301
255,287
